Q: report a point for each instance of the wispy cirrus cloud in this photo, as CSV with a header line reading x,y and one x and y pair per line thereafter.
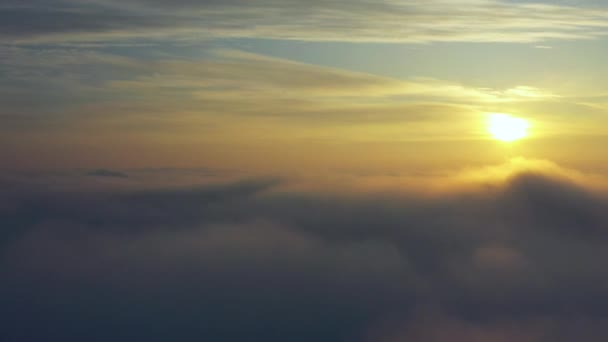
x,y
234,75
238,75
335,20
226,87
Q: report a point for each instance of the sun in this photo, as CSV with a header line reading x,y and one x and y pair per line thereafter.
x,y
506,128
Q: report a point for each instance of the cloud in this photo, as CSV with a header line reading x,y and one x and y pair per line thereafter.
x,y
336,20
250,260
61,20
107,173
227,84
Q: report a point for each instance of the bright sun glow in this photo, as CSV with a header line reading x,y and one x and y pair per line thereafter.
x,y
507,128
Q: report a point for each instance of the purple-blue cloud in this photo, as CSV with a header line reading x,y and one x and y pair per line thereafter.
x,y
242,262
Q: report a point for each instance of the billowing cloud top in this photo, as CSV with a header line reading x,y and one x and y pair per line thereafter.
x,y
245,260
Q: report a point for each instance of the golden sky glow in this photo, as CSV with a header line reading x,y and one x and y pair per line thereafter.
x,y
303,170
269,94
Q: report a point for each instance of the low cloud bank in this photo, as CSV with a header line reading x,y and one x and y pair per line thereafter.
x,y
245,262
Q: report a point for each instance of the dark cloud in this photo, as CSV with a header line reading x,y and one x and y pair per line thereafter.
x,y
107,173
243,262
39,20
335,20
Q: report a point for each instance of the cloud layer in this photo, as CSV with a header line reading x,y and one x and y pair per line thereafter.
x,y
334,20
247,261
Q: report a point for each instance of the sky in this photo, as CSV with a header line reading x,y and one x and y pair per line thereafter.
x,y
290,170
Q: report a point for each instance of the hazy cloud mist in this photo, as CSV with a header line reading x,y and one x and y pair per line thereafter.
x,y
244,261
